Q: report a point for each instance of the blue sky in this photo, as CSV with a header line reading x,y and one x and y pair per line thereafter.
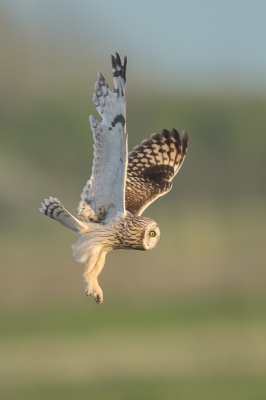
x,y
197,42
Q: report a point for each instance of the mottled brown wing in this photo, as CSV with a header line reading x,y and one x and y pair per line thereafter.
x,y
151,168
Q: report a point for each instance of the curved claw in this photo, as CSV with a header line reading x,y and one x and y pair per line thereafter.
x,y
98,298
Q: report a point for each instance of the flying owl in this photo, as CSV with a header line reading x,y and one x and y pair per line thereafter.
x,y
122,185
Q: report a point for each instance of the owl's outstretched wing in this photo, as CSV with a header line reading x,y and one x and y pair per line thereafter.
x,y
103,197
151,168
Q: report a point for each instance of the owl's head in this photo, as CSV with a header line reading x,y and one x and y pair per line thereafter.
x,y
151,235
141,233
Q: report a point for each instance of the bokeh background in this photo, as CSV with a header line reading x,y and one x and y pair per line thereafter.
x,y
186,320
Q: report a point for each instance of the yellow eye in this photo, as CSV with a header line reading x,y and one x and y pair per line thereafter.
x,y
152,233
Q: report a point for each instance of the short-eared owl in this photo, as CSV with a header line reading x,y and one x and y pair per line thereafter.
x,y
121,186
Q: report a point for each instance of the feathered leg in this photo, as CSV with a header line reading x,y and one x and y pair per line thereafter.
x,y
93,268
97,291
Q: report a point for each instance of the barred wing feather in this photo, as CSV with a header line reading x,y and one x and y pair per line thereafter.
x,y
151,168
103,196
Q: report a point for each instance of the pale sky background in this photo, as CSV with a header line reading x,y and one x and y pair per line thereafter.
x,y
193,43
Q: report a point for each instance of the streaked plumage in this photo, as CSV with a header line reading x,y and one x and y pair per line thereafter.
x,y
121,185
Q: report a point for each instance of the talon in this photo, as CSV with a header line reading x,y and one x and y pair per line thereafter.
x,y
98,299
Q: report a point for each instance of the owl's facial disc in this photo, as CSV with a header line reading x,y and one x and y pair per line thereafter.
x,y
152,236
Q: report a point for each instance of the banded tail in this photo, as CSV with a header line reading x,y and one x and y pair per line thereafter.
x,y
55,210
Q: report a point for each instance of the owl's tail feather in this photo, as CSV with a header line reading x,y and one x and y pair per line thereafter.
x,y
55,210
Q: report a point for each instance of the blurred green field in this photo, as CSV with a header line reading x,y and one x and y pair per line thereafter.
x,y
186,320
200,349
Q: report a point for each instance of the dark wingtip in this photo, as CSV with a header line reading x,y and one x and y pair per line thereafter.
x,y
118,59
175,135
156,137
185,136
185,141
118,68
113,61
166,134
